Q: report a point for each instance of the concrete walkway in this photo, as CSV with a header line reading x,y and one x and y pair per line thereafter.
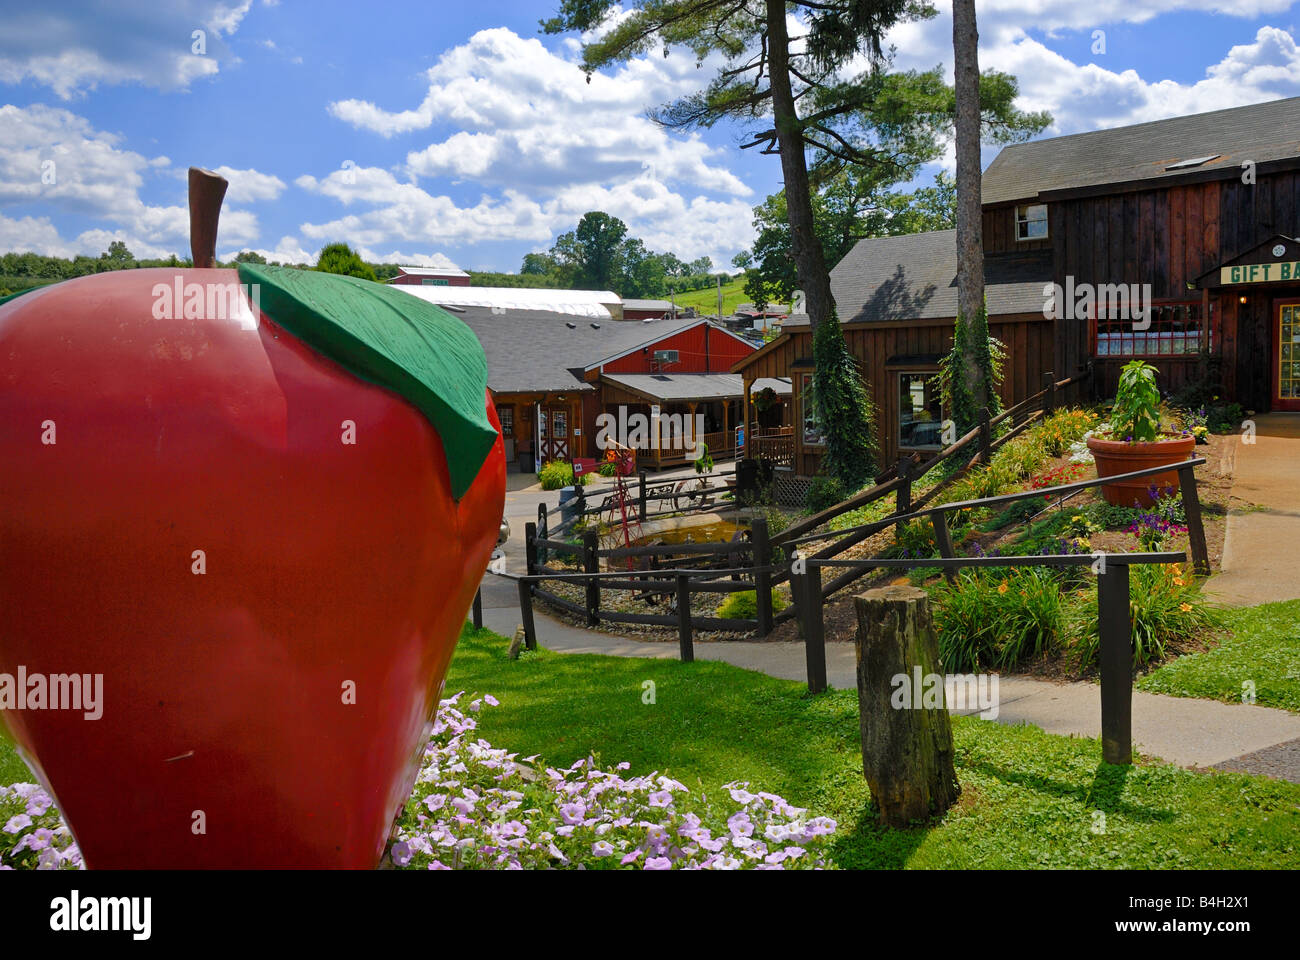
x,y
1261,548
1191,733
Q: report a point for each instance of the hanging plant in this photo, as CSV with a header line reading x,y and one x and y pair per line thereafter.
x,y
764,399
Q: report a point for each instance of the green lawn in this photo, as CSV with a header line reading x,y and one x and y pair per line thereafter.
x,y
12,769
1263,648
1030,799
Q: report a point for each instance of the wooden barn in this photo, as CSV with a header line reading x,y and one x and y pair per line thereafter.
x,y
1173,241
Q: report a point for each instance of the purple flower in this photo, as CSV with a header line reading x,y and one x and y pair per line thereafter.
x,y
739,825
601,849
658,863
401,853
17,822
661,798
573,812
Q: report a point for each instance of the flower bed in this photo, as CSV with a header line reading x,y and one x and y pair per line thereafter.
x,y
478,807
475,806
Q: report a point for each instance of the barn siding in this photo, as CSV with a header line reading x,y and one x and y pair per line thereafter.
x,y
701,349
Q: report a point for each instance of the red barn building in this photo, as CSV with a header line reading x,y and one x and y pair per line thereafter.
x,y
431,277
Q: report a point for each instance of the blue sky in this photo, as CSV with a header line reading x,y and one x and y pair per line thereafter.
x,y
424,132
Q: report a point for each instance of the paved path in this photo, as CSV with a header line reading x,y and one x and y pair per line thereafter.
x,y
1188,732
1261,548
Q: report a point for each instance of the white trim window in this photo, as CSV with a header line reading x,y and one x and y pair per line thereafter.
x,y
1031,221
812,430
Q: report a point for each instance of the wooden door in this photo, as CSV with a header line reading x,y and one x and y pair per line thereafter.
x,y
556,431
1286,355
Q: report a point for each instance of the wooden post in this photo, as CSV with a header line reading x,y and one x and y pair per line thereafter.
x,y
985,436
640,497
530,548
907,752
580,494
684,635
944,541
1195,525
541,554
591,564
903,499
207,190
526,613
814,632
1049,397
1116,664
762,579
478,609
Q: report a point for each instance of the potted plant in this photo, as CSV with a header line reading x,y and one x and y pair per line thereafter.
x,y
1135,440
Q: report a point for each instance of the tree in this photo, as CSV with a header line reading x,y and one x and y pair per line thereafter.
x,y
249,256
592,251
342,259
538,264
799,89
970,371
764,77
117,257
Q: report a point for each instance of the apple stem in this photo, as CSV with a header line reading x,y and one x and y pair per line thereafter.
x,y
207,190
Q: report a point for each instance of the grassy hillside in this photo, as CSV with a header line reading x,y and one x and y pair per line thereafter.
x,y
706,301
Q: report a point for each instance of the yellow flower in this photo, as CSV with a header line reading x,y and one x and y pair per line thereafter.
x,y
1002,587
1084,594
1185,607
1180,581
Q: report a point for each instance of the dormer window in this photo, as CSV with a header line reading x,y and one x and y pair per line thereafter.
x,y
1031,221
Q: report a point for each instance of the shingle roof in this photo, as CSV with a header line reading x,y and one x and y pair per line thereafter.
x,y
914,277
1260,132
693,386
540,350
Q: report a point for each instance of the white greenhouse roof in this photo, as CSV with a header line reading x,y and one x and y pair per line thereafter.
x,y
579,303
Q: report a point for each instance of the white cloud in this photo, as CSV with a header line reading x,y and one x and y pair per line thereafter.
x,y
404,213
546,147
75,45
249,186
55,158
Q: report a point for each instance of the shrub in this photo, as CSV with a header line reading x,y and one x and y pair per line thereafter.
x,y
825,492
1165,604
557,474
845,410
607,469
999,618
1136,414
744,605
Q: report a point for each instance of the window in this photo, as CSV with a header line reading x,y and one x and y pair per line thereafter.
x,y
812,431
1031,221
507,417
1176,330
559,424
920,412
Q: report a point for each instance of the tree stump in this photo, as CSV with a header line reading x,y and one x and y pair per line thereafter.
x,y
907,753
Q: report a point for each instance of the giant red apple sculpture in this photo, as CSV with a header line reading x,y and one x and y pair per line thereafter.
x,y
263,530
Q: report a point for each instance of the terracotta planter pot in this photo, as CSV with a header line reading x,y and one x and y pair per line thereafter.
x,y
1115,457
